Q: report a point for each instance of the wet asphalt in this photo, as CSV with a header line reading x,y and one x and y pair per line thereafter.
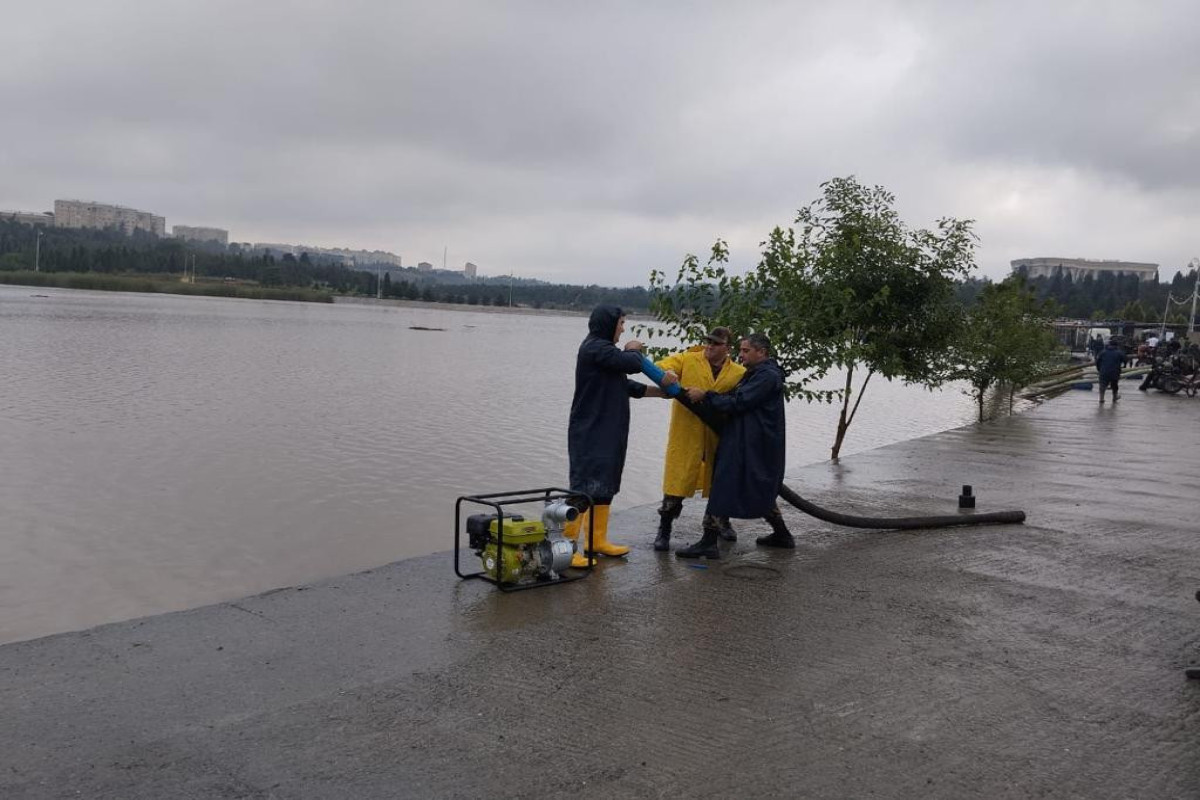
x,y
1012,661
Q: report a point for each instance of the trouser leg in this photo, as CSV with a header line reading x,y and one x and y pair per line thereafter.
x,y
725,529
668,512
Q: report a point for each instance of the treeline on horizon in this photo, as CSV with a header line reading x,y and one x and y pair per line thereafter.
x,y
113,252
1106,296
85,250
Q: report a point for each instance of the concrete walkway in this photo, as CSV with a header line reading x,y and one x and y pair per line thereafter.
x,y
1042,660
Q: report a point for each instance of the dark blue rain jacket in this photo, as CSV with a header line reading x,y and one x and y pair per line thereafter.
x,y
599,428
750,456
1108,363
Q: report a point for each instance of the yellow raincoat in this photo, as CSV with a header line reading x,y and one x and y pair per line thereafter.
x,y
690,443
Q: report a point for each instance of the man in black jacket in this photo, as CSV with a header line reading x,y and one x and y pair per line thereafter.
x,y
598,432
1108,368
749,463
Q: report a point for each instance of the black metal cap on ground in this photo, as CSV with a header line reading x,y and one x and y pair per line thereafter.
x,y
966,499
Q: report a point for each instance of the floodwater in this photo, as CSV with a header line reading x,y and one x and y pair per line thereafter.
x,y
161,452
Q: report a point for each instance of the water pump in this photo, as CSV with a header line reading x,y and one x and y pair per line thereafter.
x,y
518,551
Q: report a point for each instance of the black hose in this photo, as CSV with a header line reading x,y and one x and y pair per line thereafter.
x,y
899,523
714,421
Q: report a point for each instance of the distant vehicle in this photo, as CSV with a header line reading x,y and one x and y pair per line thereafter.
x,y
1103,333
1142,334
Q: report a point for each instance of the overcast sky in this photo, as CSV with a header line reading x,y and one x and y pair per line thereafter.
x,y
591,142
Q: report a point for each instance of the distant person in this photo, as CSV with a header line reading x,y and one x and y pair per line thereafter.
x,y
1143,354
691,444
1095,346
598,432
750,456
1108,368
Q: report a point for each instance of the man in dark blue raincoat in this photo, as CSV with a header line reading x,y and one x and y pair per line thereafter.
x,y
599,429
1108,368
749,462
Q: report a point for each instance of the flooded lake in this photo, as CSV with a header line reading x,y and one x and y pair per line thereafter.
x,y
161,452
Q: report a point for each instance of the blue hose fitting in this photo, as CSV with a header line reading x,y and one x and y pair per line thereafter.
x,y
655,373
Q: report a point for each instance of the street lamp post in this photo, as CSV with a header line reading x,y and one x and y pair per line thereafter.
x,y
1194,264
37,253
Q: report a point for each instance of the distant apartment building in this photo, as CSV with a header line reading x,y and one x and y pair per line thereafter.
x,y
425,266
1079,268
29,217
190,233
276,249
86,214
337,255
361,256
470,269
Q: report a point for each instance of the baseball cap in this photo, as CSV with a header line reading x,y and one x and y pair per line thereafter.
x,y
719,335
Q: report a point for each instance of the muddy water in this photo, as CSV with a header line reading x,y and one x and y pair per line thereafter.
x,y
161,452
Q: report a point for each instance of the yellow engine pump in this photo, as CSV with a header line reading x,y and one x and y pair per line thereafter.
x,y
520,551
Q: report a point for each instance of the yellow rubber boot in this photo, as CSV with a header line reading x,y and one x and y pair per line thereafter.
x,y
573,530
600,536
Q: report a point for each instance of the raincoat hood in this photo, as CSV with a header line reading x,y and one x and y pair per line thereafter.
x,y
603,322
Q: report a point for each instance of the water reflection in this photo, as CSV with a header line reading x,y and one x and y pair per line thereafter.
x,y
162,452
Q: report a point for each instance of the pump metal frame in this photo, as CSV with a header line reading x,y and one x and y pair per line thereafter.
x,y
497,501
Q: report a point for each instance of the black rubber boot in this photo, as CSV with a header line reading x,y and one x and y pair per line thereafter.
x,y
779,536
662,542
705,548
668,512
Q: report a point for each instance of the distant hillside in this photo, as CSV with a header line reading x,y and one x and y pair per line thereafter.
x,y
113,252
429,286
446,277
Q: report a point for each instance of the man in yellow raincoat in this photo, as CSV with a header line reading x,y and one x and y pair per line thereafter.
x,y
691,444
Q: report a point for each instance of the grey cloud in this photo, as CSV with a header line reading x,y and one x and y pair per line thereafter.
x,y
595,141
1111,88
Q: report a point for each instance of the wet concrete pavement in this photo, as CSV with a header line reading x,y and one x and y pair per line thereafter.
x,y
1039,660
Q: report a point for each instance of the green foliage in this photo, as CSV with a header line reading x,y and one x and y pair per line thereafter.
x,y
12,261
849,287
1108,296
92,251
1134,310
1006,339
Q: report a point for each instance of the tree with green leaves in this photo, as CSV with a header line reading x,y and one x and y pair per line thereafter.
x,y
850,287
1135,310
1006,340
